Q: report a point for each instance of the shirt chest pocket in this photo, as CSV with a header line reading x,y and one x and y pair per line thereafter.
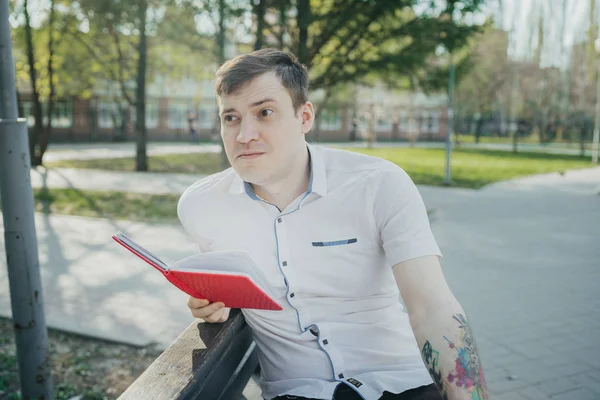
x,y
340,265
335,243
338,253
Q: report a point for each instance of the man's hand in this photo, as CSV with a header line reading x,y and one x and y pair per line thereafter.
x,y
209,312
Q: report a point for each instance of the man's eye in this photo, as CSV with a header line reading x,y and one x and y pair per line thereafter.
x,y
229,118
266,113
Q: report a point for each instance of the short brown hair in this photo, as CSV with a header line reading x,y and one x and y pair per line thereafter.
x,y
234,74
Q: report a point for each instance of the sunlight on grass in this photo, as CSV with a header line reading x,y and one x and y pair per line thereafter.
x,y
471,168
105,204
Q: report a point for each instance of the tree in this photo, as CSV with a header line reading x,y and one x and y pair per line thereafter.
x,y
225,16
49,65
350,42
259,10
123,55
479,91
33,76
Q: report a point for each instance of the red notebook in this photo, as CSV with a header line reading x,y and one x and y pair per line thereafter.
x,y
231,277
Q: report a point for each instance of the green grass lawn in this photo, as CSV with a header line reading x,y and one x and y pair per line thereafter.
x,y
113,205
474,168
494,139
199,163
523,140
471,168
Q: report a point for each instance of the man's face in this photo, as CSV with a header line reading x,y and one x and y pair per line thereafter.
x,y
262,133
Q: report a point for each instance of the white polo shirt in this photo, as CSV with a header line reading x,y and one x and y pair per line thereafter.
x,y
328,256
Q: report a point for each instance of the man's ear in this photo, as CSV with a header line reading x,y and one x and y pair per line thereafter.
x,y
307,114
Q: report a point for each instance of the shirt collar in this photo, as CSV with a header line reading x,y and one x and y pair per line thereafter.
x,y
317,183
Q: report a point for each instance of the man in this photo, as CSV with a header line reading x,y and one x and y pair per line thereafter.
x,y
339,235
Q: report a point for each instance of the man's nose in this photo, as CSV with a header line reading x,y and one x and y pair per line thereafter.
x,y
248,131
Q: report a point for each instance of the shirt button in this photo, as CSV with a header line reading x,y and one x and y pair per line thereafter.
x,y
341,376
292,294
284,263
325,341
279,220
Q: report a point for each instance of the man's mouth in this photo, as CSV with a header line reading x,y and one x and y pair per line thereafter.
x,y
250,155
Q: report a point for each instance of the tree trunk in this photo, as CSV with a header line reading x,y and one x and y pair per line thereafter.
x,y
319,111
37,105
582,132
48,131
259,9
303,22
221,43
478,129
282,23
141,162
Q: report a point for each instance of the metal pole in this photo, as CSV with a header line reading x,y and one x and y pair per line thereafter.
x,y
597,119
450,125
19,232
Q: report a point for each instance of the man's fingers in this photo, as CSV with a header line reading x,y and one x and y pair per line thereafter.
x,y
219,316
196,303
203,312
225,314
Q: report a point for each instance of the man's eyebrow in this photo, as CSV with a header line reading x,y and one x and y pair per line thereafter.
x,y
255,104
258,103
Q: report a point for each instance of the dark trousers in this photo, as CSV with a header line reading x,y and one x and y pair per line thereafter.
x,y
345,392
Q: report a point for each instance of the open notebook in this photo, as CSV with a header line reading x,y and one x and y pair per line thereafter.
x,y
231,277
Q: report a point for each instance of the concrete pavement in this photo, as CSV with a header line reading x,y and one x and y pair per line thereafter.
x,y
521,256
137,182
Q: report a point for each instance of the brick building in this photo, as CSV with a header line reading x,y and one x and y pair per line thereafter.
x,y
172,107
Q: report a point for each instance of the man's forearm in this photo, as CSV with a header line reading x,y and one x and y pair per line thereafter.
x,y
450,354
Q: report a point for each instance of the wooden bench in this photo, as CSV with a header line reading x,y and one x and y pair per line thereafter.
x,y
207,361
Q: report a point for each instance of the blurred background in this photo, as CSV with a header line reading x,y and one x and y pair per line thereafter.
x,y
492,107
524,70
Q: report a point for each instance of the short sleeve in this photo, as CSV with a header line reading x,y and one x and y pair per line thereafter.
x,y
188,217
401,218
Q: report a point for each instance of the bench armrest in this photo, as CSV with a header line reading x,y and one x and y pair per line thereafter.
x,y
207,361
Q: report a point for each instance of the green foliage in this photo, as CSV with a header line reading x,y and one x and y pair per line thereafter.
x,y
74,73
356,40
484,72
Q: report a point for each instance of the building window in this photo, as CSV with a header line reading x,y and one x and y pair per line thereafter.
x,y
431,122
434,122
207,115
330,120
151,115
403,124
384,121
109,115
178,114
62,114
413,123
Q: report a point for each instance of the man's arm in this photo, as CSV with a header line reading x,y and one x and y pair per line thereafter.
x,y
441,329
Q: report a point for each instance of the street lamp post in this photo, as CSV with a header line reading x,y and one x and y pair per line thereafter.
x,y
20,240
449,128
597,119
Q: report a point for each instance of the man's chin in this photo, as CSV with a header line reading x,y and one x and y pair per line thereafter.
x,y
250,175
